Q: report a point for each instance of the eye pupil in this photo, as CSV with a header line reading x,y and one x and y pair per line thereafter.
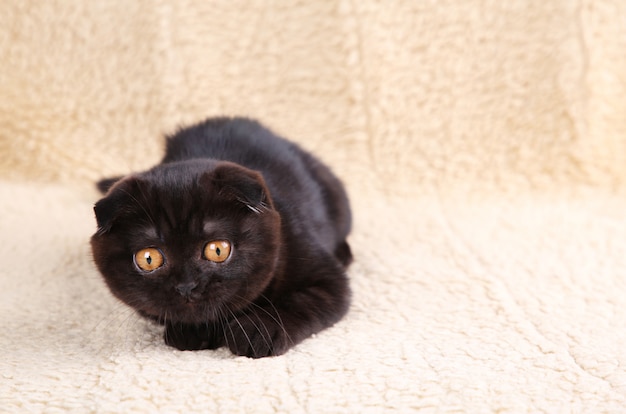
x,y
218,251
148,259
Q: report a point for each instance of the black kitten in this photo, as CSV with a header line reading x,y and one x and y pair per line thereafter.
x,y
238,239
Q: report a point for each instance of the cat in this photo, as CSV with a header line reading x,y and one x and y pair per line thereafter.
x,y
237,239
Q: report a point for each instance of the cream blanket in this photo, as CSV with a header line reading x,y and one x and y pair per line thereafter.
x,y
483,145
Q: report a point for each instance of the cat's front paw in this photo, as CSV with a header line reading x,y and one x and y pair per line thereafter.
x,y
187,337
257,336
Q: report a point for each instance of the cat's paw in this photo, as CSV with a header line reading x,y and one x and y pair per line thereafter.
x,y
190,337
257,336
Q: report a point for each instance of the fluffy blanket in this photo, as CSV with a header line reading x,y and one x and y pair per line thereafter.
x,y
482,145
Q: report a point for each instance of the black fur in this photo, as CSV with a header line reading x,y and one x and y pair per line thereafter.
x,y
283,211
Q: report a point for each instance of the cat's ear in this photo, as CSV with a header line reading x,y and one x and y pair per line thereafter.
x,y
105,184
240,184
112,205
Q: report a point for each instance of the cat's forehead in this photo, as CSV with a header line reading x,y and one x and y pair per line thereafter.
x,y
179,174
164,228
221,225
147,232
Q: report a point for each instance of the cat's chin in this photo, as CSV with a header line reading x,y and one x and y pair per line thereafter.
x,y
189,313
193,311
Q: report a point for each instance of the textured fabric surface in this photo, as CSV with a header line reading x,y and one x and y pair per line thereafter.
x,y
483,146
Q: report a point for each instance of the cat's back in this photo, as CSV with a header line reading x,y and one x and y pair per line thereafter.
x,y
287,169
294,177
240,140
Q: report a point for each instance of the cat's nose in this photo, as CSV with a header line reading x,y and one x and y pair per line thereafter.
x,y
186,288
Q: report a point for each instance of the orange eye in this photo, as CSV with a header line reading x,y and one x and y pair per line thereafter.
x,y
217,251
149,259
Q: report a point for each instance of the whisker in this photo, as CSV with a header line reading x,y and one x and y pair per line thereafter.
x,y
278,319
244,332
267,339
101,333
257,209
225,324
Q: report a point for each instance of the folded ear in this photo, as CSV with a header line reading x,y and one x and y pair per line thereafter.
x,y
240,184
106,183
113,204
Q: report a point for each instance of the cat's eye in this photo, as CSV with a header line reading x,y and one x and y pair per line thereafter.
x,y
217,251
149,259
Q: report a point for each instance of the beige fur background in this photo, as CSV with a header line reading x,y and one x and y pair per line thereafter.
x,y
483,144
523,94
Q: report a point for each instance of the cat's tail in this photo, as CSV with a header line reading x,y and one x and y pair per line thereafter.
x,y
106,183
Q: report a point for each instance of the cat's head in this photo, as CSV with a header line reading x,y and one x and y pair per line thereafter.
x,y
188,241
